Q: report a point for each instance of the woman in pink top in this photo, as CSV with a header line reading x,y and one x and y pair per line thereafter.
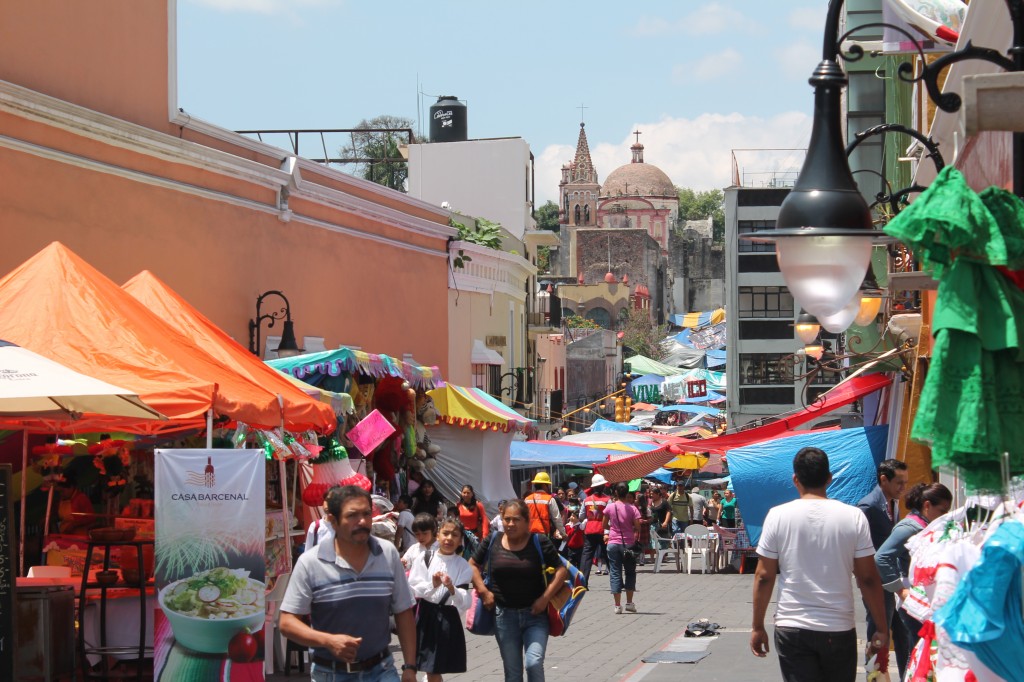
x,y
621,529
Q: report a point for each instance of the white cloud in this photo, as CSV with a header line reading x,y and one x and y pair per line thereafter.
x,y
264,6
808,19
709,19
695,152
710,67
798,59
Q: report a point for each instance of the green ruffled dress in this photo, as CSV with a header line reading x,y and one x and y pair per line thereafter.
x,y
972,403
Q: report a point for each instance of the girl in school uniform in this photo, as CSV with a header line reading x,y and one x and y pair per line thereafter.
x,y
441,581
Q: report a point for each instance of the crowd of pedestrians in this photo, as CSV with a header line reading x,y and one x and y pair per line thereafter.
x,y
814,547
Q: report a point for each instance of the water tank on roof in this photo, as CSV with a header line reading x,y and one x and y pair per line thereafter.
x,y
448,120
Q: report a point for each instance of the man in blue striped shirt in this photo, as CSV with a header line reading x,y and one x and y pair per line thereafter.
x,y
348,588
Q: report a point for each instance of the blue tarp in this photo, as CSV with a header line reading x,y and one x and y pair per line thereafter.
x,y
706,398
531,452
648,380
714,358
762,474
692,409
606,425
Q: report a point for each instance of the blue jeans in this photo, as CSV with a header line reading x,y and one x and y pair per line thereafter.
x,y
679,526
382,672
616,564
518,630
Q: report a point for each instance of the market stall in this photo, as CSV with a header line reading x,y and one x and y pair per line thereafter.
x,y
474,434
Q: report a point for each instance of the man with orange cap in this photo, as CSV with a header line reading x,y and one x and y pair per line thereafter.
x,y
544,515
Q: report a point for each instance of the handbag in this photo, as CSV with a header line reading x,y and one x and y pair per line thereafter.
x,y
479,618
567,599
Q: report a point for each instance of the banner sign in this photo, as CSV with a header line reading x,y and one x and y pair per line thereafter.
x,y
210,517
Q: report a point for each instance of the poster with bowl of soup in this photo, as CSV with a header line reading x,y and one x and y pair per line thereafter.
x,y
210,567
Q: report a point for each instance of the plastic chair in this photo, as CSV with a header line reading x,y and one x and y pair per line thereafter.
x,y
663,548
697,545
270,632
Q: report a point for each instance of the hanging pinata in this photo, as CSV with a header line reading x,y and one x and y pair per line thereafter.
x,y
331,468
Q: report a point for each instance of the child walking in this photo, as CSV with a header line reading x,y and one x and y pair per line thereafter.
x,y
424,527
441,581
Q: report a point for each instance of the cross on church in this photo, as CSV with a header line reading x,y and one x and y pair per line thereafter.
x,y
638,134
581,108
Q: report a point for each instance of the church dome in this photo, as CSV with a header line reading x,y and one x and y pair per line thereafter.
x,y
637,179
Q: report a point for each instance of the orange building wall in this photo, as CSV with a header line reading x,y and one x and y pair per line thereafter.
x,y
107,55
220,257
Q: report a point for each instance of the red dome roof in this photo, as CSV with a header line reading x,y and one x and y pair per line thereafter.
x,y
610,278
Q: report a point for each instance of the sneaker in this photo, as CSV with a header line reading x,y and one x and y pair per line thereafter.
x,y
618,610
631,607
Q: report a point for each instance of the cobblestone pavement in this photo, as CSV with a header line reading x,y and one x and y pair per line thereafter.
x,y
604,646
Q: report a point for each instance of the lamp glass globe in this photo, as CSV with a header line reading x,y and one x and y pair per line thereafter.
x,y
869,307
842,320
823,273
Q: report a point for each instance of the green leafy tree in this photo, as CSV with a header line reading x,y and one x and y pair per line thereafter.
x,y
642,335
544,259
547,216
377,149
701,205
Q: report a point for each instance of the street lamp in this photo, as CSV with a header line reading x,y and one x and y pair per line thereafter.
x,y
288,346
824,230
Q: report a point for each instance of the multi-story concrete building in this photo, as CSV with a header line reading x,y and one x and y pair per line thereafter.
x,y
763,370
494,315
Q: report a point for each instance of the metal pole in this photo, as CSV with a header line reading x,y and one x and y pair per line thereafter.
x,y
283,476
24,486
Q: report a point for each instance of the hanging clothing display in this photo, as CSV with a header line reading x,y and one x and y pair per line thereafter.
x,y
971,408
966,591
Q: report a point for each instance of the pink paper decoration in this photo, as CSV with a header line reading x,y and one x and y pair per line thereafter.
x,y
373,430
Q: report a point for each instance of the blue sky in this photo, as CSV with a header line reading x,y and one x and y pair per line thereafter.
x,y
698,79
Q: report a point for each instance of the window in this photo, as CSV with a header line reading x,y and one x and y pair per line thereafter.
x,y
766,329
767,396
586,214
760,369
577,215
494,380
758,262
766,302
748,226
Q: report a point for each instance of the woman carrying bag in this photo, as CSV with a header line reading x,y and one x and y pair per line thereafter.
x,y
621,529
518,592
474,520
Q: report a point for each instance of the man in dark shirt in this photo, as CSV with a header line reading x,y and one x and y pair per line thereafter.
x,y
881,507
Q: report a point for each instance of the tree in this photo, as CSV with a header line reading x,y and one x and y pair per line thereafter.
x,y
547,216
376,144
701,205
642,335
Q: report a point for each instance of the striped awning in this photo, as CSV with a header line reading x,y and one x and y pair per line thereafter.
x,y
636,466
473,408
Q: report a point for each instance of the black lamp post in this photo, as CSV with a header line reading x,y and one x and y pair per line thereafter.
x,y
288,346
824,230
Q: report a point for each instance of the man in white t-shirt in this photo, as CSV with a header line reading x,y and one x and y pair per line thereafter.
x,y
815,544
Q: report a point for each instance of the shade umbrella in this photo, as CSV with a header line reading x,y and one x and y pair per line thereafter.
x,y
38,393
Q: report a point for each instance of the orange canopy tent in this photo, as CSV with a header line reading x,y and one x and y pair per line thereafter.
x,y
301,412
59,306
